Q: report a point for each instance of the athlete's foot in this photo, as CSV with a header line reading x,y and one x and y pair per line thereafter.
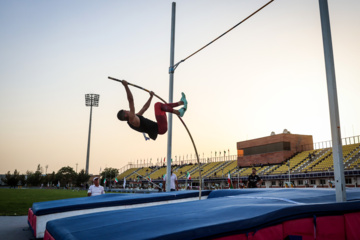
x,y
183,99
182,111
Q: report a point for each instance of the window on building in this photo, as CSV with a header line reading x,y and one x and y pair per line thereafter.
x,y
322,181
312,182
267,148
300,182
273,182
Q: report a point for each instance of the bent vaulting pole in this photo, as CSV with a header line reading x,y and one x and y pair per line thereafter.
x,y
182,121
333,102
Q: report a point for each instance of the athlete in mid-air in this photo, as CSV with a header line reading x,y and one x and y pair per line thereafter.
x,y
144,125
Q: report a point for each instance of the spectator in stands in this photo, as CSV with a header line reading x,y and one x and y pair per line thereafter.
x,y
254,180
241,184
96,189
173,182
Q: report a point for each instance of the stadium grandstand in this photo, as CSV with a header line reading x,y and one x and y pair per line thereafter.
x,y
279,159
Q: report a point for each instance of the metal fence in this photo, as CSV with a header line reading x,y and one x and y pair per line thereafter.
x,y
328,144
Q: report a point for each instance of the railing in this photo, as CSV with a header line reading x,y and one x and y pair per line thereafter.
x,y
161,163
328,144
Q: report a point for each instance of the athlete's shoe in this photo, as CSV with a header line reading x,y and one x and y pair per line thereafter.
x,y
182,111
183,99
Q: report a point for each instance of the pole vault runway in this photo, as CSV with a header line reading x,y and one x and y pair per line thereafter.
x,y
14,228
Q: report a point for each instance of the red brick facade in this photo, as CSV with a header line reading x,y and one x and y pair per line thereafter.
x,y
296,143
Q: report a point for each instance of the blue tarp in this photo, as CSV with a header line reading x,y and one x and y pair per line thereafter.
x,y
108,200
225,212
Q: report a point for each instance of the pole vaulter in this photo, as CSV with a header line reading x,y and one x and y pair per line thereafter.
x,y
161,99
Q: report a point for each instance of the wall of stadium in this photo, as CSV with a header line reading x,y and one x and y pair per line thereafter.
x,y
272,149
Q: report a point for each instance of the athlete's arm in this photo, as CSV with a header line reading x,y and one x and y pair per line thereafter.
x,y
129,97
147,105
133,119
89,191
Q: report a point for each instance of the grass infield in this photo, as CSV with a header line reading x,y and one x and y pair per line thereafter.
x,y
16,202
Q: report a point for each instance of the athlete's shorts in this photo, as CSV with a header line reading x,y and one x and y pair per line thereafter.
x,y
161,118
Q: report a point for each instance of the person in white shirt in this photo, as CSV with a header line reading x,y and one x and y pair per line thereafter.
x,y
173,182
95,189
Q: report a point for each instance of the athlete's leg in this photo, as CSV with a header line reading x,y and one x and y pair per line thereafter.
x,y
161,118
161,109
173,105
168,108
184,101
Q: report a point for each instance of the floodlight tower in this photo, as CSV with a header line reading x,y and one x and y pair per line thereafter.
x,y
91,100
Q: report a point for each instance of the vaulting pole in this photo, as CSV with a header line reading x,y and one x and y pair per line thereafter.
x,y
333,103
171,90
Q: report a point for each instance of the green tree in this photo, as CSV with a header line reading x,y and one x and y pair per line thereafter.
x,y
66,175
82,178
12,179
51,179
22,180
109,173
34,179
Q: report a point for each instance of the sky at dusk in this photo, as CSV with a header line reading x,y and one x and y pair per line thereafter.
x,y
266,75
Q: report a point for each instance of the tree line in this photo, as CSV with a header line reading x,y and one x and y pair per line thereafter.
x,y
65,176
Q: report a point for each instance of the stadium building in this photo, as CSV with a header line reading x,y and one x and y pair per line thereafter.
x,y
281,160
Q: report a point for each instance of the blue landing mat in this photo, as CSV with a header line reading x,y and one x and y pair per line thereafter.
x,y
223,213
108,200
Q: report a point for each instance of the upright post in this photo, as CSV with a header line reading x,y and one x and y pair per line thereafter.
x,y
238,183
171,88
333,102
289,171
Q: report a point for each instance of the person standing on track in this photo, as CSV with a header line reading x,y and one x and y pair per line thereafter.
x,y
95,189
173,182
254,180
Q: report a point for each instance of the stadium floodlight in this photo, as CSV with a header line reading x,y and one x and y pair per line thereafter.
x,y
91,100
